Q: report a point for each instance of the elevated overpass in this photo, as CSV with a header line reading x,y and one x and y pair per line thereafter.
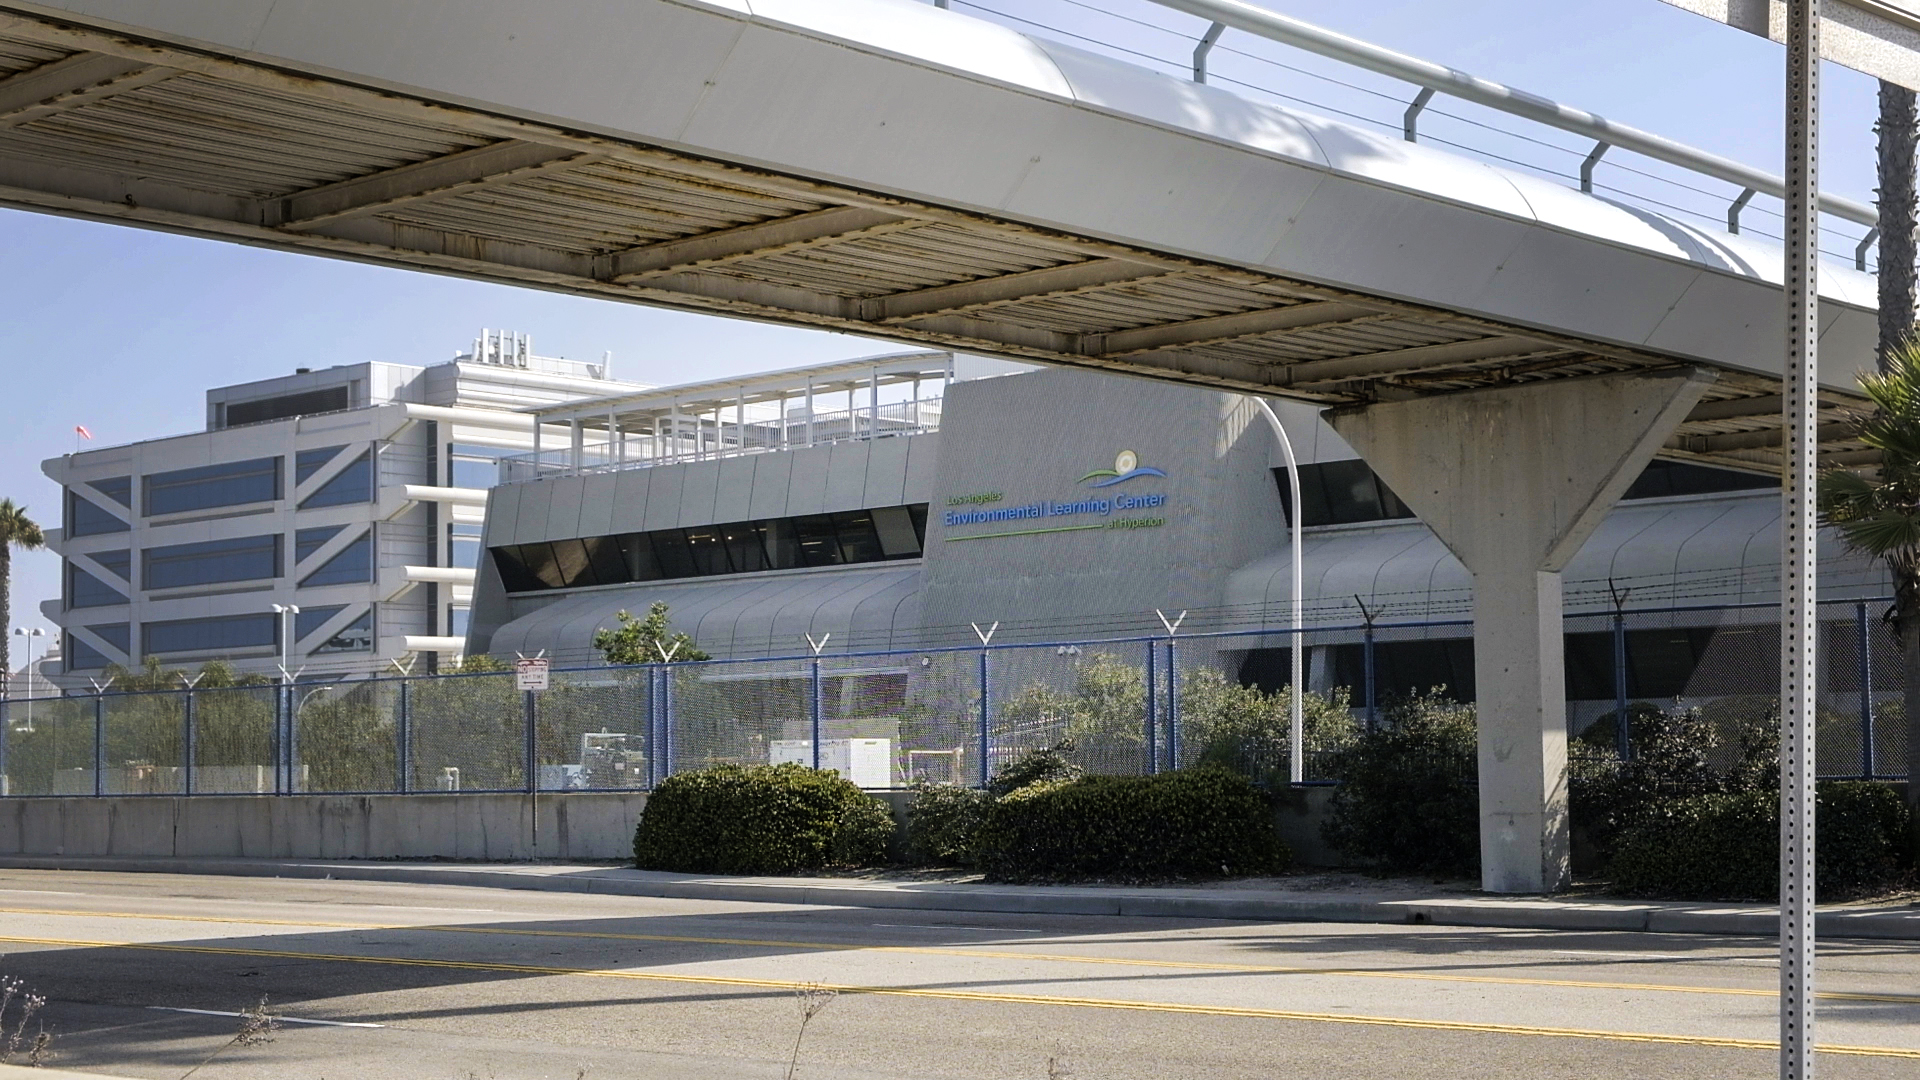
x,y
1506,351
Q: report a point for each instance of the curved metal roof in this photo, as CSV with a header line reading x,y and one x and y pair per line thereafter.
x,y
758,615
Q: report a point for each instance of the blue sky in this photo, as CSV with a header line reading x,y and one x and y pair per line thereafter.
x,y
123,330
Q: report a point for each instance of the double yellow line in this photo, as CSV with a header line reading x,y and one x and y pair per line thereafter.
x,y
972,995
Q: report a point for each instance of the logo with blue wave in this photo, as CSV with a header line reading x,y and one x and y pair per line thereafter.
x,y
1126,467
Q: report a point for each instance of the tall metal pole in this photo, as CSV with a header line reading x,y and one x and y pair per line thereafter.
x,y
1297,716
1797,594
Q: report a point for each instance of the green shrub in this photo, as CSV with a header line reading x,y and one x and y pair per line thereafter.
x,y
943,821
1409,795
1726,845
1042,766
1189,823
1246,730
760,819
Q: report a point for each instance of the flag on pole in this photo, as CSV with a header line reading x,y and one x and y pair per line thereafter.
x,y
81,430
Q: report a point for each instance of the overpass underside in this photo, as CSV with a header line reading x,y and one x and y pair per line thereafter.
x,y
99,126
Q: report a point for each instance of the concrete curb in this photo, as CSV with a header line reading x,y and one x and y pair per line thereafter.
x,y
1882,923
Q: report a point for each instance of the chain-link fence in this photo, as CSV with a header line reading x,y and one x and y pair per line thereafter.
x,y
892,719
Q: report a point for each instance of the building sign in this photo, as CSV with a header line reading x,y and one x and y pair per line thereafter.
x,y
531,673
1120,510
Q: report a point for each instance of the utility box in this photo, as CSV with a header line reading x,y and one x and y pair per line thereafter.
x,y
866,762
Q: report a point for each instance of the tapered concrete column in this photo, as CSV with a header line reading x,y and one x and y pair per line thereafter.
x,y
1513,480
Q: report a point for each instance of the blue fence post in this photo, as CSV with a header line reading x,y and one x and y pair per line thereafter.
x,y
282,705
530,751
666,721
99,744
814,703
1863,634
187,755
1173,708
403,730
1373,689
986,715
1153,707
653,726
6,730
1622,737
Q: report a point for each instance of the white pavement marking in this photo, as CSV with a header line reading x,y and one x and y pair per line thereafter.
x,y
279,1019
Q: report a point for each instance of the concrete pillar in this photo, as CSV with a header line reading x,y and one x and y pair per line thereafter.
x,y
1513,480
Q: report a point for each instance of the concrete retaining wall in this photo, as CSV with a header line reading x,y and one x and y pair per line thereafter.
x,y
584,826
454,826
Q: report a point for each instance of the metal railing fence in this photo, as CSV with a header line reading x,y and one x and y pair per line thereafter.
x,y
952,714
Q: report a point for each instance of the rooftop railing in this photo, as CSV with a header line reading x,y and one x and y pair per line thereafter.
x,y
709,439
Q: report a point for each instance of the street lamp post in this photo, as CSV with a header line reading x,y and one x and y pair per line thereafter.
x,y
286,612
29,632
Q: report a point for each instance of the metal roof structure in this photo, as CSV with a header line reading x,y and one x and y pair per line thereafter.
x,y
634,410
887,168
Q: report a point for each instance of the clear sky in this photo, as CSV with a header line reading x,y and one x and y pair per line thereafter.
x,y
123,330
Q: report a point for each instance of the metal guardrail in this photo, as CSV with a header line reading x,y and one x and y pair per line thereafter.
x,y
1437,79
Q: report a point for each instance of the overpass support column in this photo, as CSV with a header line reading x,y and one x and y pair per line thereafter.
x,y
1513,480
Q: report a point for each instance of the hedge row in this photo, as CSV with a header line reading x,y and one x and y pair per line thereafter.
x,y
1202,822
760,819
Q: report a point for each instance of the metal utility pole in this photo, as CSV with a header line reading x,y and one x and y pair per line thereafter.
x,y
1797,594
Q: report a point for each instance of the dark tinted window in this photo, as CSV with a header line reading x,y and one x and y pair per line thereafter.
x,y
85,591
356,636
353,563
118,488
895,532
308,541
245,558
331,399
308,462
210,635
234,483
353,484
310,619
1680,478
1402,668
85,518
119,562
82,656
114,634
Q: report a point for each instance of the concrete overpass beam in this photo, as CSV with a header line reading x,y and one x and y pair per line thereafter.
x,y
1513,480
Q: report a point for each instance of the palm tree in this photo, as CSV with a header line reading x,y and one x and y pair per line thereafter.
x,y
1880,514
1898,130
16,530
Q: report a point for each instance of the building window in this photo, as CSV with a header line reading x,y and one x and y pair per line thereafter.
x,y
353,484
244,558
331,399
353,563
225,634
119,563
458,620
308,541
85,591
1404,668
235,483
1680,478
308,462
463,546
80,655
471,466
356,636
857,536
119,489
114,634
85,518
309,619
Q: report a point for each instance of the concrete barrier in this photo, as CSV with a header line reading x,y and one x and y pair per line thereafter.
x,y
586,826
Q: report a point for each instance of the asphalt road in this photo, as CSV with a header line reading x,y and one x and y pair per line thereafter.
x,y
377,981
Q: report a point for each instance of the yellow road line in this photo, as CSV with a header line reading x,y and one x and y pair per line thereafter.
x,y
978,995
989,954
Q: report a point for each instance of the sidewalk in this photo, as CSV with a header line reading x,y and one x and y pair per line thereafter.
x,y
1268,900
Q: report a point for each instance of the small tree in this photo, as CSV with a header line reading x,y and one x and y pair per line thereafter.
x,y
646,641
1880,514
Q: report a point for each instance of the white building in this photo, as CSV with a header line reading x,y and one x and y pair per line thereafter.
x,y
354,494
